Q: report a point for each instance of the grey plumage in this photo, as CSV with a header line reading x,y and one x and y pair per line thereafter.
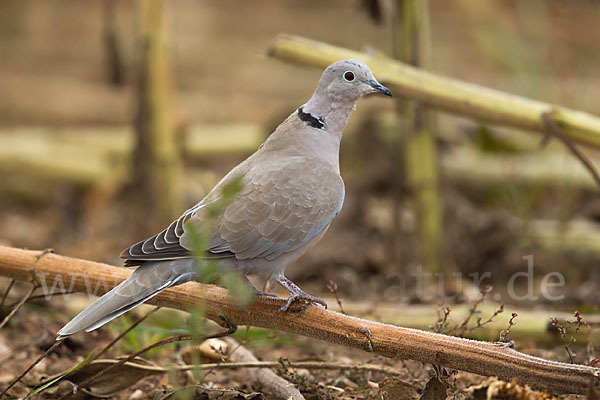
x,y
291,192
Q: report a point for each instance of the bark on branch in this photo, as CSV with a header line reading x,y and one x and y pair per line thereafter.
x,y
482,358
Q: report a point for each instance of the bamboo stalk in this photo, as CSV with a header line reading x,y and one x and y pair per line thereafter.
x,y
531,324
482,358
34,159
412,46
157,162
93,156
465,165
112,46
447,94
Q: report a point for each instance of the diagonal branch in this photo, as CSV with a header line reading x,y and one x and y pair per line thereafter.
x,y
451,95
553,127
477,357
17,306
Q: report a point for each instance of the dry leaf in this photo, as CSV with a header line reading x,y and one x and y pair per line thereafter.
x,y
512,391
111,382
392,388
494,389
202,393
210,350
435,389
593,394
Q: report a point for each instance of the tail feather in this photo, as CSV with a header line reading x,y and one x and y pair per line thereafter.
x,y
145,282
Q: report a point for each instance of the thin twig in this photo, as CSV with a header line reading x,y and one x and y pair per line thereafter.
x,y
480,324
125,332
461,330
18,306
36,362
10,285
505,334
332,286
442,322
591,351
556,130
89,380
294,364
48,296
176,338
42,253
563,330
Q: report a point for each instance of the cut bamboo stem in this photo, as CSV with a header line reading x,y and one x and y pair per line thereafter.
x,y
412,46
157,162
481,358
447,94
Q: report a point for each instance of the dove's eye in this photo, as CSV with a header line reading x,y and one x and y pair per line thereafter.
x,y
348,76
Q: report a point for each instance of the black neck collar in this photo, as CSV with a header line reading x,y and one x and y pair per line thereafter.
x,y
311,120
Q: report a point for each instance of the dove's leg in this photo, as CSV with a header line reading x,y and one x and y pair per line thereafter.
x,y
254,289
295,293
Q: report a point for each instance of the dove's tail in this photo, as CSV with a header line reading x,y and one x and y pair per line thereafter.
x,y
145,282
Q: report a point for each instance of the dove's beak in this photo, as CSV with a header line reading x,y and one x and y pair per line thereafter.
x,y
379,88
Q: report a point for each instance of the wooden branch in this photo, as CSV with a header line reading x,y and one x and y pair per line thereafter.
x,y
555,129
482,358
444,93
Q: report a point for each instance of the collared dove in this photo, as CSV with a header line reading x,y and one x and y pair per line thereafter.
x,y
291,192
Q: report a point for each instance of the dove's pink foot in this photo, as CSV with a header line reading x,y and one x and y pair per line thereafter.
x,y
295,294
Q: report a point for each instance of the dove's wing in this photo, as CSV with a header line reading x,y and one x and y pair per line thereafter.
x,y
283,204
166,245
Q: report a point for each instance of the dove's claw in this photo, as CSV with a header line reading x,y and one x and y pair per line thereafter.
x,y
296,294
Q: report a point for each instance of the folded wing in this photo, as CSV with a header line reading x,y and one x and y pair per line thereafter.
x,y
282,206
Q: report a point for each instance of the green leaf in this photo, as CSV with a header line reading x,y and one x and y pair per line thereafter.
x,y
53,381
239,289
228,194
232,188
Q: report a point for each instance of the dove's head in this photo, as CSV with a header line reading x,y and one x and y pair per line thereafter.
x,y
348,80
340,87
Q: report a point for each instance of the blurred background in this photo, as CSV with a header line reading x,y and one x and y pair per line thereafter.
x,y
84,85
